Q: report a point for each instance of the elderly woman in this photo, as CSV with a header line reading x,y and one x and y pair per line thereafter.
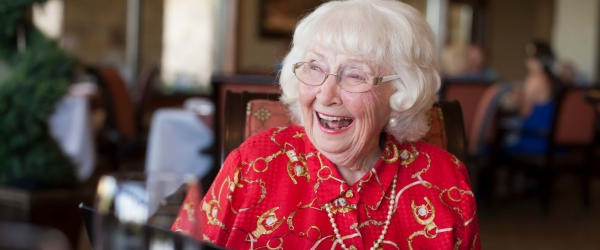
x,y
359,80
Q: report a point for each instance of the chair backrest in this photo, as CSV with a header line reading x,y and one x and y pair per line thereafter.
x,y
120,107
576,120
262,114
482,129
143,93
234,119
231,108
450,116
249,113
469,95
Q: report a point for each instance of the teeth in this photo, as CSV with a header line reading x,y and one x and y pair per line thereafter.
x,y
330,118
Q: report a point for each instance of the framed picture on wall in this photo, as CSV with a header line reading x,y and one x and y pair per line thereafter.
x,y
278,18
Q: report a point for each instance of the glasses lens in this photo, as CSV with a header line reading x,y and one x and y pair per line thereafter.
x,y
310,73
355,80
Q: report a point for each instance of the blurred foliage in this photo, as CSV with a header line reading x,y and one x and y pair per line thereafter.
x,y
37,78
12,14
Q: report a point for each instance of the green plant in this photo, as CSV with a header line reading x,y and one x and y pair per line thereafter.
x,y
37,78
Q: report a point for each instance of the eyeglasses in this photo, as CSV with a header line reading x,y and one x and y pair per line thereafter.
x,y
350,79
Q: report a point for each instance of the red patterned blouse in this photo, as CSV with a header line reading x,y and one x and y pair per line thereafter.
x,y
277,191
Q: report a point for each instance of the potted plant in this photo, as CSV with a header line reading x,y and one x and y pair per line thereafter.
x,y
34,75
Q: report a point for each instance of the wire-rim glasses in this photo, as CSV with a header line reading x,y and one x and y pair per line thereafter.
x,y
350,79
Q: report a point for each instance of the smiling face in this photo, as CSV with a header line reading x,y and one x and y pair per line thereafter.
x,y
344,126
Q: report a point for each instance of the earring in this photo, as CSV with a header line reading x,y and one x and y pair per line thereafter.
x,y
393,122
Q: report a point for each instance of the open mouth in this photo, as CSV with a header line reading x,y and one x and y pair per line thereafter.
x,y
334,122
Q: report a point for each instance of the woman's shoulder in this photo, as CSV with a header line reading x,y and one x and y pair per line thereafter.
x,y
273,135
440,163
433,150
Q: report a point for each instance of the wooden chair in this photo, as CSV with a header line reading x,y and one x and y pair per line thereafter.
x,y
249,113
482,129
575,131
121,109
570,148
121,137
143,94
469,94
221,85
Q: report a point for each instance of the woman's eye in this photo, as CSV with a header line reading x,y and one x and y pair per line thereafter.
x,y
315,68
357,77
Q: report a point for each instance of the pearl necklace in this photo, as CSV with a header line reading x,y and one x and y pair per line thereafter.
x,y
385,227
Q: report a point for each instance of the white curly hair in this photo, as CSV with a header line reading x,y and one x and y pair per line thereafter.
x,y
389,34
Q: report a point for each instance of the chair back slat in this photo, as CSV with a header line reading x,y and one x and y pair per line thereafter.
x,y
121,108
469,96
264,114
576,120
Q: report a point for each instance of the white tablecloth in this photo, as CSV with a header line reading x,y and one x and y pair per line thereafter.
x,y
177,138
70,125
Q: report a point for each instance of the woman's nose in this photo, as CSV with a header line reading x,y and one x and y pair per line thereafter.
x,y
329,92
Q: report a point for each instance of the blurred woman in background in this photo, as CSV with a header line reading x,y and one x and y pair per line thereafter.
x,y
534,103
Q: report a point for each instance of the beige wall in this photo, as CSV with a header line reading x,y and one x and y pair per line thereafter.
x,y
256,54
510,25
576,34
420,5
94,30
87,28
151,32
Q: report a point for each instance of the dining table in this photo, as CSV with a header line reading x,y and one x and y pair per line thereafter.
x,y
180,140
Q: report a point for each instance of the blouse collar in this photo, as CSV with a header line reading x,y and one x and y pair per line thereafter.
x,y
329,185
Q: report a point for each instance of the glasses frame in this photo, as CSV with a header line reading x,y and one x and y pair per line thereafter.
x,y
376,80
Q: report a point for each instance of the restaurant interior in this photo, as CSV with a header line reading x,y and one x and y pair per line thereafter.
x,y
98,96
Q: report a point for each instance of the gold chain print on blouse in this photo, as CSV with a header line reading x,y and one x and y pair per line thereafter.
x,y
302,167
424,213
188,207
296,166
267,223
212,207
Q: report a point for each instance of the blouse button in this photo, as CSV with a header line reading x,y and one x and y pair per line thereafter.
x,y
404,154
214,212
299,171
352,247
349,193
422,211
271,221
342,202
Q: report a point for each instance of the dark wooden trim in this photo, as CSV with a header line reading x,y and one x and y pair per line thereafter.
x,y
220,84
455,128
